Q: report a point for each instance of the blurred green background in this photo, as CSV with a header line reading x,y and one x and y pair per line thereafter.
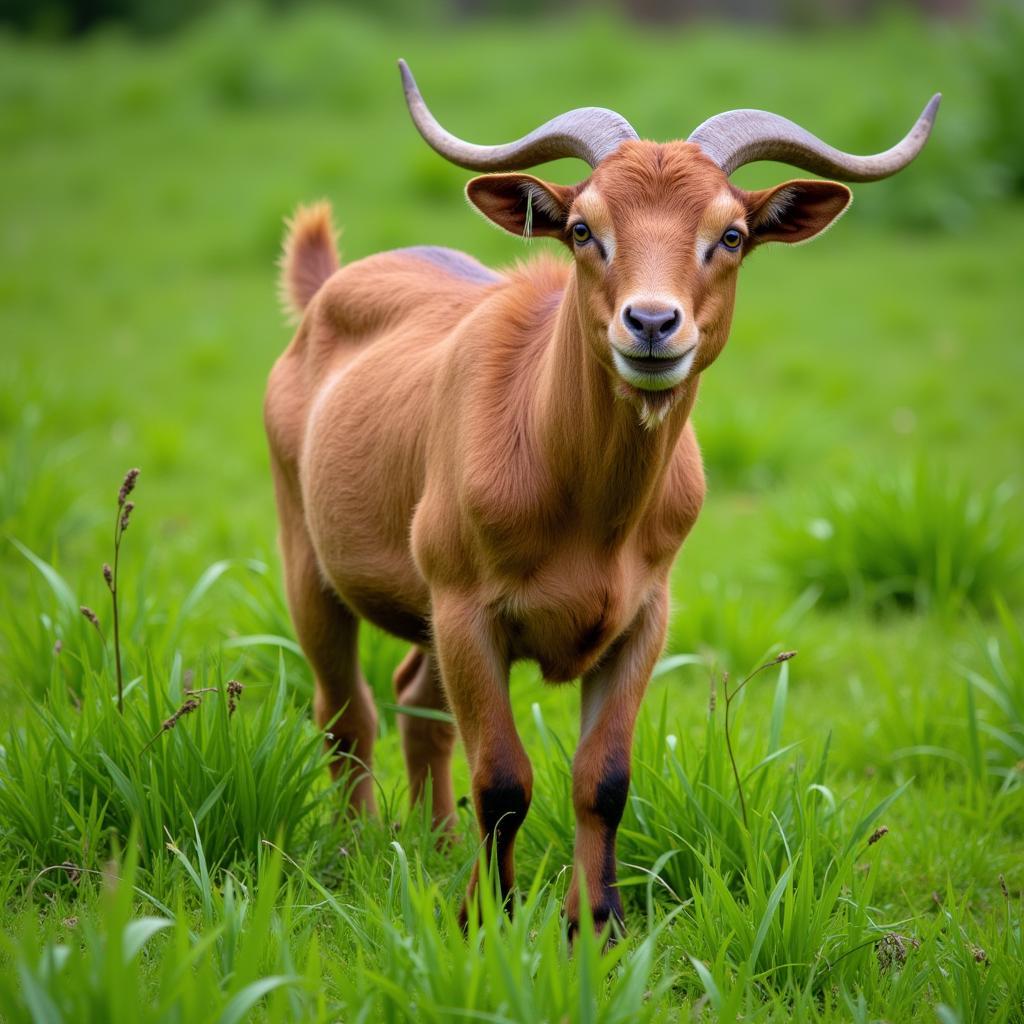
x,y
862,431
145,180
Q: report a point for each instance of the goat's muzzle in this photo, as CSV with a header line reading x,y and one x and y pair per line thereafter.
x,y
652,325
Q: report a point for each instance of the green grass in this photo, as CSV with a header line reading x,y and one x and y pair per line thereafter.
x,y
916,539
202,872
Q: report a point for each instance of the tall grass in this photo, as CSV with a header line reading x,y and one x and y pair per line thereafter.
x,y
76,774
913,539
269,946
778,921
998,740
749,880
769,874
110,972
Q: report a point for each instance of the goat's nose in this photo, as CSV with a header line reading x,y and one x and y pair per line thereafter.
x,y
652,324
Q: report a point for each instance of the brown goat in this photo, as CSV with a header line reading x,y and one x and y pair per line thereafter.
x,y
498,466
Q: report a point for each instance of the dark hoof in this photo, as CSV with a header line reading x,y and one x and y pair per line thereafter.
x,y
602,915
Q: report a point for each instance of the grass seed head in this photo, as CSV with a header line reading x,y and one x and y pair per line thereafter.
x,y
127,486
891,950
90,615
186,708
234,695
877,834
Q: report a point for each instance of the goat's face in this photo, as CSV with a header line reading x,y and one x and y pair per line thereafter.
x,y
657,230
658,234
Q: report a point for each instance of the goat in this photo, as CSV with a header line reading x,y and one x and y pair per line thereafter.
x,y
501,466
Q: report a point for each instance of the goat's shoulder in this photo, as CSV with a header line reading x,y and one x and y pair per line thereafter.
x,y
542,276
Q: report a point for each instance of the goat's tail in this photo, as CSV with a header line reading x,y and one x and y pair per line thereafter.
x,y
309,256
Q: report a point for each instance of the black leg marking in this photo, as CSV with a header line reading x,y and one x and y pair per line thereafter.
x,y
610,798
502,806
609,805
341,748
610,907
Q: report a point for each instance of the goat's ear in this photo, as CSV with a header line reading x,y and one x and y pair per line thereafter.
x,y
521,204
796,210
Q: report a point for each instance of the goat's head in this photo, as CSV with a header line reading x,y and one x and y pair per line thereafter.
x,y
658,231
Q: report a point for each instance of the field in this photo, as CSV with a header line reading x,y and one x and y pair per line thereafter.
x,y
862,439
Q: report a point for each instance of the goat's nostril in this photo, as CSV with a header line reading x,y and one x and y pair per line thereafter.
x,y
651,324
669,325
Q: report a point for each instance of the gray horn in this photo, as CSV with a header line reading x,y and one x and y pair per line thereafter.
x,y
740,137
590,133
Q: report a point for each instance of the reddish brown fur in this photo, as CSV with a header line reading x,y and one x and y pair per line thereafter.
x,y
459,462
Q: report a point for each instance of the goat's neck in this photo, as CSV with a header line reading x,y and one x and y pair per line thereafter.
x,y
599,453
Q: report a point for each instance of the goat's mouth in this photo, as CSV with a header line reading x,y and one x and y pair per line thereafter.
x,y
653,373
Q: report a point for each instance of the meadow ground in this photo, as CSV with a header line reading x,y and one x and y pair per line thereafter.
x,y
862,434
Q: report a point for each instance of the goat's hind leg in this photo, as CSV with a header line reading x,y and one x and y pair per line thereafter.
x,y
328,632
343,702
426,742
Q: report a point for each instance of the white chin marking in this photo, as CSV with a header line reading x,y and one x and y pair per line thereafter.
x,y
661,380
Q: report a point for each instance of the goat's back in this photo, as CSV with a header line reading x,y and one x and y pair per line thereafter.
x,y
352,404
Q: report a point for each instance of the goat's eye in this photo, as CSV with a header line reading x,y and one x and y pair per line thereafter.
x,y
580,233
732,239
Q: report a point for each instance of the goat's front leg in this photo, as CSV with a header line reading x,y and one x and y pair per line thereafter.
x,y
474,669
601,768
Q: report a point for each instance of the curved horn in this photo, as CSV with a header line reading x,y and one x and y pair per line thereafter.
x,y
740,137
590,133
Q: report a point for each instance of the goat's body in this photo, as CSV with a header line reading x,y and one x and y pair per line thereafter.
x,y
501,466
412,435
348,413
451,465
